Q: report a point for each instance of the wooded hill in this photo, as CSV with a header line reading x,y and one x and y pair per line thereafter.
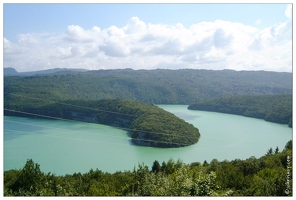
x,y
273,108
148,125
159,86
151,86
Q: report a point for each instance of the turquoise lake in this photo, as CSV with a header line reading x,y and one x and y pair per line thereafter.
x,y
63,147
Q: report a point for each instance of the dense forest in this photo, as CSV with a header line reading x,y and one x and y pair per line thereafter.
x,y
151,86
148,125
159,86
270,175
273,108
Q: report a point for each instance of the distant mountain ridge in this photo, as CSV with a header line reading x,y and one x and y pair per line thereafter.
x,y
12,72
160,86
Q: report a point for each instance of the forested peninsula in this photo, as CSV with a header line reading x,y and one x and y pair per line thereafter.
x,y
99,90
272,108
148,125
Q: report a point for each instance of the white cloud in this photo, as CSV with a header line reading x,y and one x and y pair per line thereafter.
x,y
134,26
288,11
258,22
208,45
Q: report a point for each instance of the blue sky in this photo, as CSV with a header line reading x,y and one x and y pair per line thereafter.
x,y
148,36
28,18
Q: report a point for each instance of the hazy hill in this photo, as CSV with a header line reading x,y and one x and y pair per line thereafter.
x,y
10,72
184,86
13,72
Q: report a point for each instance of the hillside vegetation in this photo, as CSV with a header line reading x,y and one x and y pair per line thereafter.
x,y
185,86
148,125
270,175
151,86
98,97
273,108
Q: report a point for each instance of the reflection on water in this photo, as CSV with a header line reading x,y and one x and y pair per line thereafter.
x,y
186,116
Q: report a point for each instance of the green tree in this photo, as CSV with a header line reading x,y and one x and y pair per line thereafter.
x,y
156,167
163,166
289,145
269,182
205,163
230,176
276,151
205,185
214,165
29,181
269,152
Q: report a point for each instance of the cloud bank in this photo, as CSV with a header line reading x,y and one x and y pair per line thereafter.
x,y
138,45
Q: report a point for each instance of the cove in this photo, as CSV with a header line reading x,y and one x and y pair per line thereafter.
x,y
63,147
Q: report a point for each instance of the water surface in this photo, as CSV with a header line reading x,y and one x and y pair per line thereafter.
x,y
64,147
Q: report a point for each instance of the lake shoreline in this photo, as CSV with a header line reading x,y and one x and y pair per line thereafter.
x,y
67,147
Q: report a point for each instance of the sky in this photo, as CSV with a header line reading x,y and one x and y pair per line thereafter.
x,y
148,36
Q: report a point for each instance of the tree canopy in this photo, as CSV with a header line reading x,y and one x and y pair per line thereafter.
x,y
151,86
270,175
273,108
